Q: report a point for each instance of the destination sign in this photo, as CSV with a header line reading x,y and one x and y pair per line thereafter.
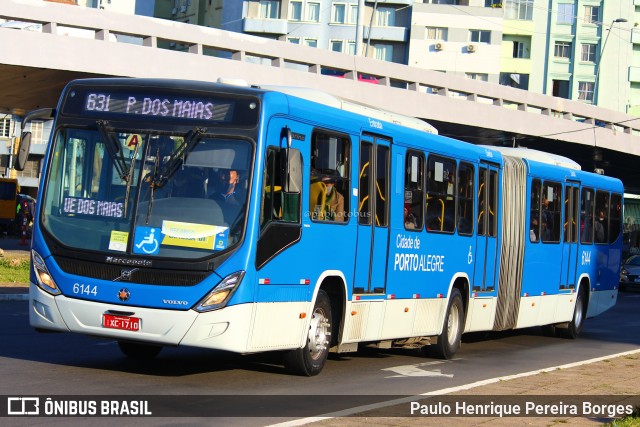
x,y
138,103
191,108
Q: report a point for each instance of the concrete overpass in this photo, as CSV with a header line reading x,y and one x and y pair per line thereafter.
x,y
35,65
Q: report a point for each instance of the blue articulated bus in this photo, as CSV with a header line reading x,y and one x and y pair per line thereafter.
x,y
253,219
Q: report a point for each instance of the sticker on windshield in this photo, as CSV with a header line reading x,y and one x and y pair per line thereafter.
x,y
201,236
118,240
147,240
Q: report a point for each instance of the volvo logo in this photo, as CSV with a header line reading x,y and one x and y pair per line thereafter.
x,y
124,294
125,275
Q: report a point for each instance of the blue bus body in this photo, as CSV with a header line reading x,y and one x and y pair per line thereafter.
x,y
434,236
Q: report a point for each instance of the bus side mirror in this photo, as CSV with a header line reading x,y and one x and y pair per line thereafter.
x,y
23,151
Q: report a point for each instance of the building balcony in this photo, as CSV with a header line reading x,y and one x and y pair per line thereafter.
x,y
634,74
402,2
38,149
265,26
391,34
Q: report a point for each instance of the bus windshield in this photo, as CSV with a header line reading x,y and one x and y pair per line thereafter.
x,y
144,193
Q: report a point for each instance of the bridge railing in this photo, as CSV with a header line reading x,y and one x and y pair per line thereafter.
x,y
156,33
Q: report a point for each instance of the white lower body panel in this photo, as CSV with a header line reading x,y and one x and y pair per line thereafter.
x,y
277,325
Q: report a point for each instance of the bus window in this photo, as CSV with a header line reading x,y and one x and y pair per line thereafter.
x,y
534,217
571,214
601,221
615,217
482,183
413,191
493,203
441,177
382,186
550,212
364,205
586,216
465,198
329,188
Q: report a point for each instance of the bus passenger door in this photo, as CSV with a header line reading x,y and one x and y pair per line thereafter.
x,y
373,215
485,274
570,241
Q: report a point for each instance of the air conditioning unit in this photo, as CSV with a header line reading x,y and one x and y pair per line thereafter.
x,y
439,46
471,48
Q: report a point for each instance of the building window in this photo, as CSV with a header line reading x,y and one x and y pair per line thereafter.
x,y
351,47
437,33
311,42
385,17
480,36
519,50
338,14
36,132
565,13
313,12
294,40
478,76
384,52
562,50
269,9
585,91
588,53
336,45
5,127
296,11
591,14
519,10
353,14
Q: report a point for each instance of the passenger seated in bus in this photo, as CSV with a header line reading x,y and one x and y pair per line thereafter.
x,y
533,232
334,202
598,228
410,220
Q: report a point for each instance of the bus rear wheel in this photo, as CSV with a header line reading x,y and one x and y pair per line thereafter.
x,y
449,340
139,351
310,359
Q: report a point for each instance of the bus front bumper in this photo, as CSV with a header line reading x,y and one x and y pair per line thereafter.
x,y
226,329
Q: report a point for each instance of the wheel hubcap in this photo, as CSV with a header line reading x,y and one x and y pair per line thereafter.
x,y
319,333
452,325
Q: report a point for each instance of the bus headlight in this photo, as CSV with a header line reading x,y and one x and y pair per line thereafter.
x,y
43,278
221,294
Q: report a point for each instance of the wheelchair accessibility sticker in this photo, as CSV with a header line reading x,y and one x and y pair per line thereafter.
x,y
147,240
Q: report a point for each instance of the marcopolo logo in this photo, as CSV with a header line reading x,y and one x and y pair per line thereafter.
x,y
23,406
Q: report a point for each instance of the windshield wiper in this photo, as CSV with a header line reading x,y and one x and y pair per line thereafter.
x,y
179,155
113,148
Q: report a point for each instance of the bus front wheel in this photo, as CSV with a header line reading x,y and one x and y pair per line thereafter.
x,y
310,359
139,351
449,340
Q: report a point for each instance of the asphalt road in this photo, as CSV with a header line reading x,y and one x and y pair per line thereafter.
x,y
32,363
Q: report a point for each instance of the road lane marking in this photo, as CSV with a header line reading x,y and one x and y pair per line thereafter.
x,y
364,408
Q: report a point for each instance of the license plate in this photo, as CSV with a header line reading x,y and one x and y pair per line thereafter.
x,y
124,323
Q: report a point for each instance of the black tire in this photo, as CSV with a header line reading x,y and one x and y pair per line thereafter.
x,y
572,331
310,359
451,336
139,351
